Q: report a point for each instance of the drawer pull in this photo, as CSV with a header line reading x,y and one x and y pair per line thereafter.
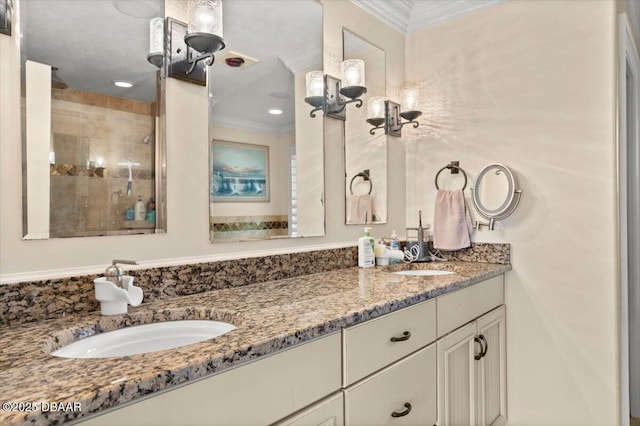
x,y
404,413
405,336
481,354
486,346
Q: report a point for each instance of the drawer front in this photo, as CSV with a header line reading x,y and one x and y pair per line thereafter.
x,y
460,307
258,393
328,412
409,381
369,347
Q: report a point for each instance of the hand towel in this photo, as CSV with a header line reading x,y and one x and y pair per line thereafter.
x,y
360,209
452,225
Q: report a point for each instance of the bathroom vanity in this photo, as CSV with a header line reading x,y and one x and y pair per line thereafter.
x,y
350,346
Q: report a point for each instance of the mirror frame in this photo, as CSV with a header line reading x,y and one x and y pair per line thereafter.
x,y
512,198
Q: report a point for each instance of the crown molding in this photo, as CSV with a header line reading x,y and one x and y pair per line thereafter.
x,y
395,13
408,16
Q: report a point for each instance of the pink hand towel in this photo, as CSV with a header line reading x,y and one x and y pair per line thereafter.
x,y
360,209
452,225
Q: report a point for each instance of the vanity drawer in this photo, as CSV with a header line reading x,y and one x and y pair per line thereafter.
x,y
409,381
369,347
460,307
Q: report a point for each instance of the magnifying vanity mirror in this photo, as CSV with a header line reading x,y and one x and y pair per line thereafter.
x,y
266,153
495,194
365,153
92,139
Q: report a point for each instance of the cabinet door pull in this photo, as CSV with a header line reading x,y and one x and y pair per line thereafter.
x,y
482,352
403,413
405,336
486,345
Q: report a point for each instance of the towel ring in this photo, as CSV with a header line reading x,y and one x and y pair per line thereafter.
x,y
452,166
364,175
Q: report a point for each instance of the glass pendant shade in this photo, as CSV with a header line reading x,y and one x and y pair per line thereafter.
x,y
353,73
375,107
205,16
156,41
156,36
315,83
204,31
410,99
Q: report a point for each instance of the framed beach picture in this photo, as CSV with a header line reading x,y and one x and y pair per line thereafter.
x,y
239,172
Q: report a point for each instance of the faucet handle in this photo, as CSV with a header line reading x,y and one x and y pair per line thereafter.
x,y
114,273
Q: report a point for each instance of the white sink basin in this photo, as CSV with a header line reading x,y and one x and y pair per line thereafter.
x,y
144,338
423,272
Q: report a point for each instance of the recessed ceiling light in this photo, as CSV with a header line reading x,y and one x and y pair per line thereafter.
x,y
125,84
275,111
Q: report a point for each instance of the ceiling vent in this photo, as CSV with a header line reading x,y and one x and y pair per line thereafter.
x,y
235,60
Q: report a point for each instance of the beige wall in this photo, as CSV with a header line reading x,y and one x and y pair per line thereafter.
x,y
531,84
187,237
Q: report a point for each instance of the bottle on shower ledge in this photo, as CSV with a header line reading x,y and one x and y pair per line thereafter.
x,y
140,210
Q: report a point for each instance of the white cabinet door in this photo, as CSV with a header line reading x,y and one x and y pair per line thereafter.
x,y
492,369
400,395
457,377
472,373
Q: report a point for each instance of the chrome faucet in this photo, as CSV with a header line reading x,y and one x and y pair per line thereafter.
x,y
115,291
423,255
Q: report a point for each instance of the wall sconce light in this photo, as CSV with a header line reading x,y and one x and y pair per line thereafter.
x,y
190,48
332,95
156,42
387,115
204,32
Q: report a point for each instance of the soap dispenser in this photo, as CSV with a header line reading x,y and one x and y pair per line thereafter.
x,y
366,255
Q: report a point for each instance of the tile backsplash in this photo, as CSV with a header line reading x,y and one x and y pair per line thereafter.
x,y
45,299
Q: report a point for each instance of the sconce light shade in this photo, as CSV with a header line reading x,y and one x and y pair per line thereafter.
x,y
410,104
204,30
315,88
376,110
156,42
353,82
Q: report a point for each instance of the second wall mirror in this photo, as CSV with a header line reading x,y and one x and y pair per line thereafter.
x,y
365,154
266,153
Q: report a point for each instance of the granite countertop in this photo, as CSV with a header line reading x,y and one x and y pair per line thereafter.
x,y
269,316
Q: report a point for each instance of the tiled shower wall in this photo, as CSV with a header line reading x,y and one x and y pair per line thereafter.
x,y
92,130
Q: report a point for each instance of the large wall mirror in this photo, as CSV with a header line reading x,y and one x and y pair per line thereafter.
x,y
365,154
266,152
92,139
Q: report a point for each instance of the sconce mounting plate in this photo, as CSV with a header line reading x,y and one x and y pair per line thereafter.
x,y
332,98
179,55
394,128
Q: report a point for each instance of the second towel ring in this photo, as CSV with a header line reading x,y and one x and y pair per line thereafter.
x,y
364,175
452,166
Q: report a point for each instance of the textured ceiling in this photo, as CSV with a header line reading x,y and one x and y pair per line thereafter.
x,y
408,16
93,43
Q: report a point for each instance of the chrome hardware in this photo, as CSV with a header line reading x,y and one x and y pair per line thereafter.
x,y
403,413
405,336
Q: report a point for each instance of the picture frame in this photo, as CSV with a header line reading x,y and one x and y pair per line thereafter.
x,y
6,14
239,172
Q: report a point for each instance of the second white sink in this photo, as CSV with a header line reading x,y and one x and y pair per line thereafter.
x,y
423,272
144,338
